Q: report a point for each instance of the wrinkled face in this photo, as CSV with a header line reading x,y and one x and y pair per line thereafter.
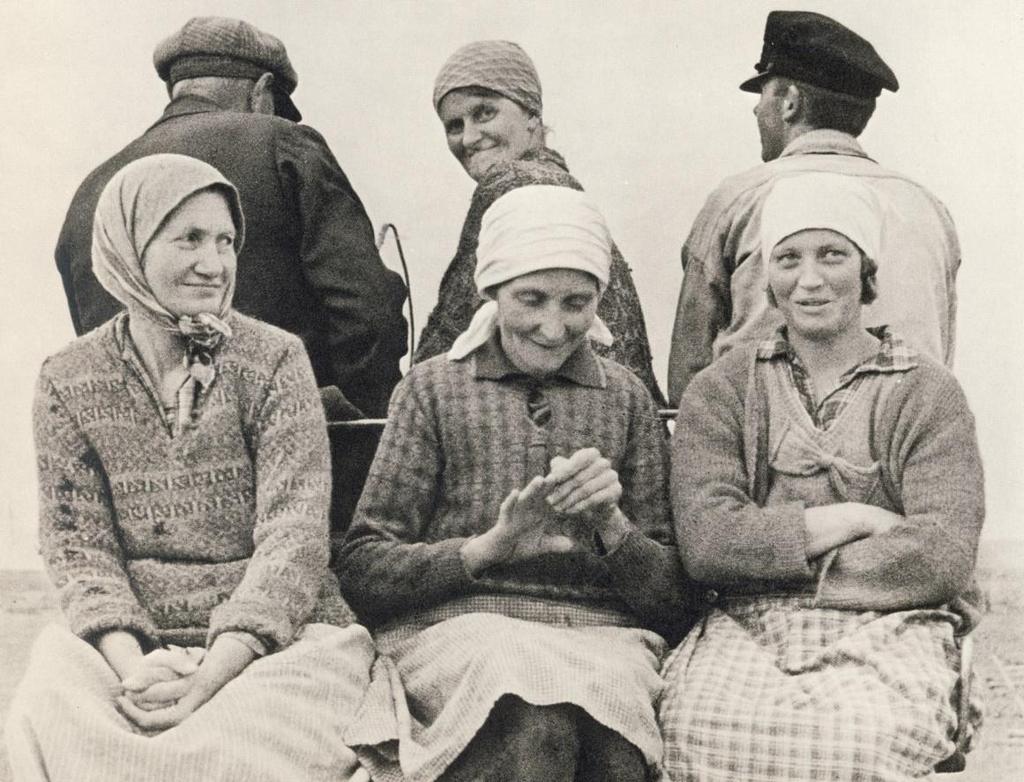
x,y
544,316
815,277
190,262
484,128
769,119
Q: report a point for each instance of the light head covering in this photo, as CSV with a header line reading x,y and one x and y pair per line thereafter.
x,y
501,66
531,229
839,203
132,208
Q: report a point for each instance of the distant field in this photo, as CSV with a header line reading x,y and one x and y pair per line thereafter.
x,y
27,604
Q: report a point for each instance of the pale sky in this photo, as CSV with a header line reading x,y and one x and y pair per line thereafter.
x,y
643,101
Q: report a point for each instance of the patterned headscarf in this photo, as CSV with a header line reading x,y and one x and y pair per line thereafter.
x,y
840,203
501,66
131,210
532,229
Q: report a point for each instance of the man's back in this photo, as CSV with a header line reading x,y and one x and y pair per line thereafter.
x,y
309,264
723,303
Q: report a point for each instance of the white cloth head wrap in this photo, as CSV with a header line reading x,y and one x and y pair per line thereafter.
x,y
834,201
132,209
531,229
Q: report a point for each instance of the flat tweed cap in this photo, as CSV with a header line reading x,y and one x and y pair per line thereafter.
x,y
219,46
501,66
815,49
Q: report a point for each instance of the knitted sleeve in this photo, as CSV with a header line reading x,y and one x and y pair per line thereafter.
x,y
930,456
384,566
646,569
724,535
283,577
78,533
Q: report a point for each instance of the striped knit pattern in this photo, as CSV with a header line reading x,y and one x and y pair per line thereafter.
x,y
280,720
772,689
223,527
458,299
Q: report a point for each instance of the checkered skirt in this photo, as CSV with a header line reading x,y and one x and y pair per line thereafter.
x,y
770,688
433,688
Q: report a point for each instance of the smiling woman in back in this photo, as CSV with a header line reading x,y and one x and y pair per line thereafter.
x,y
488,96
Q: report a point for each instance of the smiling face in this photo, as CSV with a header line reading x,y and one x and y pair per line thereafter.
x,y
815,277
544,316
484,128
190,262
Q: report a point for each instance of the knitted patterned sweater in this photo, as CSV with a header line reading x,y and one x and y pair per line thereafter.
x,y
922,434
458,299
176,538
459,438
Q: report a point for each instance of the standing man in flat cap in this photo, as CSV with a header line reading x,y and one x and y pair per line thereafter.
x,y
818,83
309,264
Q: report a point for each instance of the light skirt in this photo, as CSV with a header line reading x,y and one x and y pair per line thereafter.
x,y
433,689
772,689
281,720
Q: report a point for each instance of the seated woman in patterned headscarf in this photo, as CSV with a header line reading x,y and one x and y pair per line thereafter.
x,y
488,96
513,547
184,484
828,491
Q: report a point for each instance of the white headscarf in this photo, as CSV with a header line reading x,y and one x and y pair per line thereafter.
x,y
834,201
530,229
132,209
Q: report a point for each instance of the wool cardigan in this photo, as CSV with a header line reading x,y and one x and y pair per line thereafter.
x,y
222,527
459,438
923,436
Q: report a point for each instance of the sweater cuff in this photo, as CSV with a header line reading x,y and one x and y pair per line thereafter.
x,y
786,536
633,558
131,619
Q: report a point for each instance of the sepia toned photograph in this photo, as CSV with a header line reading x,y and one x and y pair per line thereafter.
x,y
514,390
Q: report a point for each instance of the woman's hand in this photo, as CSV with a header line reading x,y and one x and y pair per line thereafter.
x,y
163,677
225,660
523,530
831,526
584,485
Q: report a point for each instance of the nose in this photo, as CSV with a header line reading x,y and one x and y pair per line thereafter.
x,y
208,261
810,276
552,328
470,134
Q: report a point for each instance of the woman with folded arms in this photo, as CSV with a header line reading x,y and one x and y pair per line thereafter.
x,y
828,492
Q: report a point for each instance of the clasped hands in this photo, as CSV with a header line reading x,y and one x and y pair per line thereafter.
x,y
159,689
582,488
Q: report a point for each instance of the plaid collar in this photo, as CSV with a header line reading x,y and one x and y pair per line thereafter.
x,y
582,367
893,355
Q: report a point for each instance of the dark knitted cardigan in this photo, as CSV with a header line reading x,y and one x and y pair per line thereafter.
x,y
923,436
222,527
458,299
459,438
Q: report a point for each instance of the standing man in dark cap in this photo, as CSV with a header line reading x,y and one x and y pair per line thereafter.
x,y
309,264
818,83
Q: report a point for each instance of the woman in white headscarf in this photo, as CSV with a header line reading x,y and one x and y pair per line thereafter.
x,y
513,548
184,484
828,491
